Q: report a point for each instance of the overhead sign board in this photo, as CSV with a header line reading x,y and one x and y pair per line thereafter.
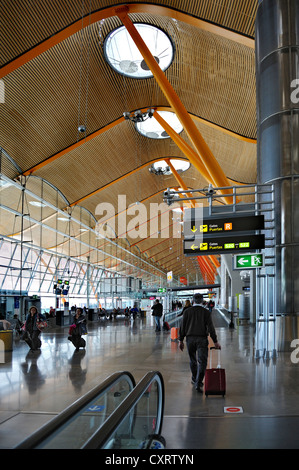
x,y
195,227
249,261
222,244
169,276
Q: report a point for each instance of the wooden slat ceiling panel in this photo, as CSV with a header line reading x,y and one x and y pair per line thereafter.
x,y
139,187
51,88
23,15
103,159
215,79
111,155
47,98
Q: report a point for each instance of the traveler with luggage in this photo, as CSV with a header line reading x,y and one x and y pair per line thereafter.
x,y
32,329
195,325
157,309
211,305
77,329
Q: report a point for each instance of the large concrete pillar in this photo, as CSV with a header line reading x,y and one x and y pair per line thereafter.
x,y
277,74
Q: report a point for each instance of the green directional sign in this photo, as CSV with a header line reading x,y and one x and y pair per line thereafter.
x,y
249,261
162,289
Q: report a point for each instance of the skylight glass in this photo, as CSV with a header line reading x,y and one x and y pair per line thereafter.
x,y
152,129
163,168
124,57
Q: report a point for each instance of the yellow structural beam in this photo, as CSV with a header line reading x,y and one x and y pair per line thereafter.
x,y
185,148
208,159
179,180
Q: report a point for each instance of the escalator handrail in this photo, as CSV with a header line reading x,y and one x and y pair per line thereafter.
x,y
45,431
102,435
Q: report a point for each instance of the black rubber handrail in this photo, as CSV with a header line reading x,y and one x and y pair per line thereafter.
x,y
100,437
49,428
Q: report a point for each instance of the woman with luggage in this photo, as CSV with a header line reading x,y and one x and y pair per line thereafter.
x,y
32,329
77,329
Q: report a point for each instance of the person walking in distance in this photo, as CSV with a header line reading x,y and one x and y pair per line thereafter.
x,y
196,325
157,309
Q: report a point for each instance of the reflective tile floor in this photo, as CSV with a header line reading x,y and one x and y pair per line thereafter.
x,y
36,386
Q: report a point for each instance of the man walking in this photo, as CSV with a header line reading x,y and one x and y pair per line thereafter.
x,y
157,309
196,324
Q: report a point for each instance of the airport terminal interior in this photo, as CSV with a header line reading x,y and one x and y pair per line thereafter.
x,y
149,151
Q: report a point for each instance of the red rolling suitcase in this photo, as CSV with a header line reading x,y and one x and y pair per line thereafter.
x,y
215,381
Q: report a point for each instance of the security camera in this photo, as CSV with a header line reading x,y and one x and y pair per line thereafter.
x,y
150,112
126,115
82,129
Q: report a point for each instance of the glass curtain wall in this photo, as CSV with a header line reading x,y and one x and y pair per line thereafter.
x,y
52,250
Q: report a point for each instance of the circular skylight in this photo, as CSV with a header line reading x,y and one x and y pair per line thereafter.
x,y
124,56
161,167
152,129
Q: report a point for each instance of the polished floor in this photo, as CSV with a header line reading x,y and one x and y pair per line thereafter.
x,y
36,386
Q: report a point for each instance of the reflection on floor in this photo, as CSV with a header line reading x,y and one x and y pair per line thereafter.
x,y
36,386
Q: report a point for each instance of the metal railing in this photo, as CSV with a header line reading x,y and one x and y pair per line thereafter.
x,y
83,416
138,417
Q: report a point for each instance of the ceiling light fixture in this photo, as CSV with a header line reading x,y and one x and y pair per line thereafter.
x,y
138,116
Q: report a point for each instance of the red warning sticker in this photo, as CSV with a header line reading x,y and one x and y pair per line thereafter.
x,y
233,409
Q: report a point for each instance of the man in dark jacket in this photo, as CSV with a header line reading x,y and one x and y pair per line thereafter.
x,y
196,324
157,309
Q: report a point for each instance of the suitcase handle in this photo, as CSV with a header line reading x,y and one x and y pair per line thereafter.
x,y
219,363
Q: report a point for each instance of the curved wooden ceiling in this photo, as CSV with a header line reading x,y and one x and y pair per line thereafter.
x,y
51,53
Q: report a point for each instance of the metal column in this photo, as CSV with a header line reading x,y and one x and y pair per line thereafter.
x,y
277,74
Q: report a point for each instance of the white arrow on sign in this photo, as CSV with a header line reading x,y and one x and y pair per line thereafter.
x,y
96,408
242,261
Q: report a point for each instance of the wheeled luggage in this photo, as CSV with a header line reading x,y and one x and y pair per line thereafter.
x,y
174,334
215,380
166,326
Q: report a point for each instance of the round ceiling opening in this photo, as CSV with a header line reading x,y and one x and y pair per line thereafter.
x,y
162,168
153,130
123,55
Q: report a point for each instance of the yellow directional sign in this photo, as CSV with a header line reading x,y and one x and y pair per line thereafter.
x,y
223,244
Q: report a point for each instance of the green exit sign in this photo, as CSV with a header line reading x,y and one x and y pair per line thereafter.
x,y
249,261
162,289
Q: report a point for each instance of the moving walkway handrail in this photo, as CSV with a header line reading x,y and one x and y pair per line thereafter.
x,y
103,435
172,315
49,428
